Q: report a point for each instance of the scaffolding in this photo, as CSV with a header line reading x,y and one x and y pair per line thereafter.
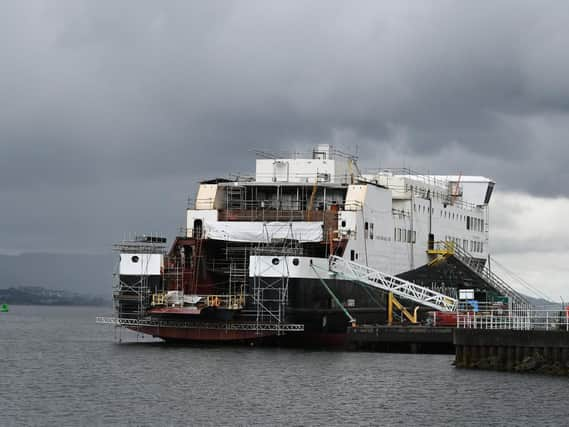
x,y
270,294
133,295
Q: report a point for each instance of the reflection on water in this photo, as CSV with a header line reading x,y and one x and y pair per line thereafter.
x,y
57,367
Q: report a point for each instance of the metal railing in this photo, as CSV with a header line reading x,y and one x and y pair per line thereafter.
x,y
353,271
534,319
243,326
481,269
273,204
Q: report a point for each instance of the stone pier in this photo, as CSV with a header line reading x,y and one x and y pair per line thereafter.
x,y
512,350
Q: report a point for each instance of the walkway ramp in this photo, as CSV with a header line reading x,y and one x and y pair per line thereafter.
x,y
350,270
450,250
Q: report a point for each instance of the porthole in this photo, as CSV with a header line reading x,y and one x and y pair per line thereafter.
x,y
275,261
343,223
295,261
134,259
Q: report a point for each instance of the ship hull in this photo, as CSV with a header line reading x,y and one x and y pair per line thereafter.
x,y
205,334
309,304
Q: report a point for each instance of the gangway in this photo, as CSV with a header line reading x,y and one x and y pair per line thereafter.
x,y
351,270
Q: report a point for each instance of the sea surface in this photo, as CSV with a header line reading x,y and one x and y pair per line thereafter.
x,y
57,367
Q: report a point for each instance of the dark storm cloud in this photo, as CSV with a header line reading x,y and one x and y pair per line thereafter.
x,y
102,102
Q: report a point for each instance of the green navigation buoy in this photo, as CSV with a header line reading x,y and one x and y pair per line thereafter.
x,y
4,308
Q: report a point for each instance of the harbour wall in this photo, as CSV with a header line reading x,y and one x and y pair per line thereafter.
x,y
400,339
512,350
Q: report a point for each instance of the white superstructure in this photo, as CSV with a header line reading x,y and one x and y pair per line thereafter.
x,y
384,219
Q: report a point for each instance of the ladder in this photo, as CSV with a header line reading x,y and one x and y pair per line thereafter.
x,y
350,270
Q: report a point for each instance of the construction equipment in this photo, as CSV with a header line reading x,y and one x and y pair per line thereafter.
x,y
394,302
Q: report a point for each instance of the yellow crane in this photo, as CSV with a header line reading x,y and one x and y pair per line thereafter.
x,y
393,302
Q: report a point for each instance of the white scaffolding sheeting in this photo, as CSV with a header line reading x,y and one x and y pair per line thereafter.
x,y
263,232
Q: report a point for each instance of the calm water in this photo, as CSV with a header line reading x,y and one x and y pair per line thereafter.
x,y
57,367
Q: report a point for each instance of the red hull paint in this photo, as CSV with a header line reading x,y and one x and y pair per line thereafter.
x,y
298,339
201,334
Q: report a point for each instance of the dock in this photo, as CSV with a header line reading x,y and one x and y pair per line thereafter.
x,y
513,350
401,339
534,341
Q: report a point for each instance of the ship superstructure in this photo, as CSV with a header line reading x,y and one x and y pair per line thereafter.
x,y
257,257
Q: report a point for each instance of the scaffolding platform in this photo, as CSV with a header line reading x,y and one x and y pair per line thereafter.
x,y
230,326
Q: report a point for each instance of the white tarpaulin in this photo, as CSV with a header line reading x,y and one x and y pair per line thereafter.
x,y
236,231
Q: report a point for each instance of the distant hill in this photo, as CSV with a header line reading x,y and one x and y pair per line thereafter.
x,y
544,304
82,274
36,295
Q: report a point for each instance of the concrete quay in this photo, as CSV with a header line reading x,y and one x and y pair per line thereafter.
x,y
401,339
513,350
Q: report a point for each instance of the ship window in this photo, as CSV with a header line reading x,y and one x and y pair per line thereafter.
x,y
134,259
343,223
352,255
371,231
468,223
275,261
394,234
366,230
414,236
356,255
295,261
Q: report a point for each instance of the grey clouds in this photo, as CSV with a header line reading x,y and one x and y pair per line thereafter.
x,y
111,111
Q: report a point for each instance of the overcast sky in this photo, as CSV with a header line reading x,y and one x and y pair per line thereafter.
x,y
112,111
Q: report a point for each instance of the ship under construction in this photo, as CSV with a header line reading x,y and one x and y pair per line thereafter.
x,y
307,247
